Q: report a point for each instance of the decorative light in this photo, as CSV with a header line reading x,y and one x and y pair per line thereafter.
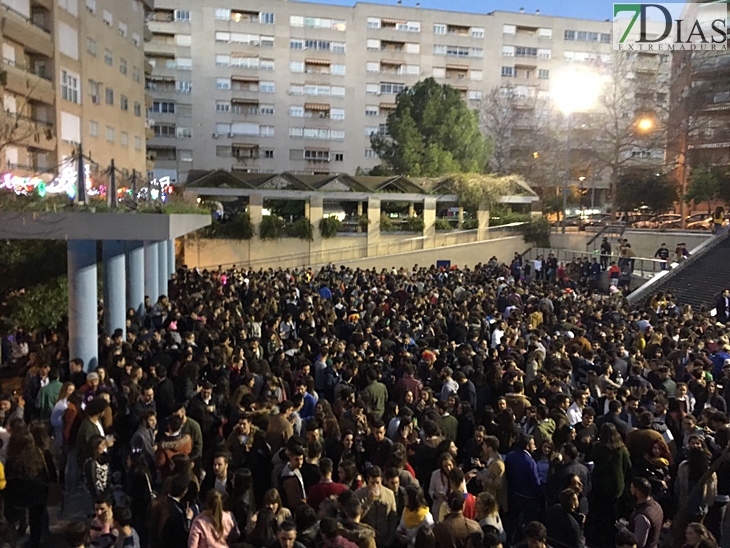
x,y
576,91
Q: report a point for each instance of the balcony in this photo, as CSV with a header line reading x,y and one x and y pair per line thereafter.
x,y
457,72
159,47
317,66
26,83
161,16
148,34
43,4
458,30
148,67
17,27
32,132
392,46
316,110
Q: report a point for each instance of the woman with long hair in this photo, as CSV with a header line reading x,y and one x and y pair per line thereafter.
x,y
57,413
349,475
139,488
214,527
488,515
97,471
697,535
263,528
611,467
399,460
688,476
415,516
241,503
438,487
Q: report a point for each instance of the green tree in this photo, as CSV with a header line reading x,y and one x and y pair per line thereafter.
x,y
432,132
703,185
645,188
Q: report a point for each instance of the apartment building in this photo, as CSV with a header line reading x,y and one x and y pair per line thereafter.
x,y
274,86
74,73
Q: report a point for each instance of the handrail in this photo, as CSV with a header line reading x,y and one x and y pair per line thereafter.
x,y
605,229
24,68
651,286
25,18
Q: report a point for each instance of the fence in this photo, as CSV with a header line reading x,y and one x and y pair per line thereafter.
x,y
643,267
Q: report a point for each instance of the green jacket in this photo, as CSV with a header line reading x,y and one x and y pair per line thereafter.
x,y
87,430
47,398
377,393
192,428
611,468
449,427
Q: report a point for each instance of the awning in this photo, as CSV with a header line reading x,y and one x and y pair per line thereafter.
x,y
317,149
245,146
323,62
385,21
247,79
391,62
241,101
316,106
388,106
461,88
155,78
162,54
239,55
526,64
457,67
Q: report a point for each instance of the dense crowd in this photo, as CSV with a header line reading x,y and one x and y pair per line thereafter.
x,y
450,408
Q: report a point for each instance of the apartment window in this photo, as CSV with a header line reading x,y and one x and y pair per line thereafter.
x,y
182,15
296,112
439,29
323,45
184,133
163,107
267,41
391,88
108,57
70,87
338,47
267,131
476,52
508,51
371,89
337,70
439,49
109,96
91,46
70,6
605,38
136,39
543,74
296,66
94,92
108,18
185,155
508,71
544,54
123,66
122,29
476,75
222,129
137,109
337,114
124,102
477,32
337,135
296,44
373,22
509,29
110,134
338,91
267,64
183,40
545,33
222,60
136,74
138,143
124,139
268,153
184,63
222,106
222,83
266,110
266,18
525,52
372,67
296,89
266,87
70,128
316,155
475,95
91,6
370,153
410,26
68,40
223,14
223,37
439,72
296,132
164,130
93,128
570,35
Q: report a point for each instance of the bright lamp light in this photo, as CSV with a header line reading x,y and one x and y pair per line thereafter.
x,y
576,91
645,124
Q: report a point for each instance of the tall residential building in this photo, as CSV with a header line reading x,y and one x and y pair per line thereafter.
x,y
272,85
74,75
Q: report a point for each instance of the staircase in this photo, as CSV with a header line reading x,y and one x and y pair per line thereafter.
x,y
698,280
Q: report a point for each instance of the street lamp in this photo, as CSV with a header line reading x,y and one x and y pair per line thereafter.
x,y
574,91
645,124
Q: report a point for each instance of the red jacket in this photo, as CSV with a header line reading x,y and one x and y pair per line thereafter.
x,y
321,491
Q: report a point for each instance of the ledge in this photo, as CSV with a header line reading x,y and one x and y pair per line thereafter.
x,y
98,226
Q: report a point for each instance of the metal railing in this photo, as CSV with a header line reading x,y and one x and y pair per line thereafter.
x,y
25,18
644,267
607,230
354,251
25,68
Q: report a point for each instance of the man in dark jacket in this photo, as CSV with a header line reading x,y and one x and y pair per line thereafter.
x,y
571,467
723,306
646,520
564,523
614,410
164,393
176,528
524,485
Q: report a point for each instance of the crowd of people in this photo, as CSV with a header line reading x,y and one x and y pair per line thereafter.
x,y
403,408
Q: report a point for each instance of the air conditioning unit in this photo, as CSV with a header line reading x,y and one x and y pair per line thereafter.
x,y
96,99
216,135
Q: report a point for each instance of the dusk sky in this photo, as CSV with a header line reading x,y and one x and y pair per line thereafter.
x,y
593,9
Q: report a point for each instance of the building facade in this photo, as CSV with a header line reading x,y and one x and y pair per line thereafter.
x,y
74,72
279,85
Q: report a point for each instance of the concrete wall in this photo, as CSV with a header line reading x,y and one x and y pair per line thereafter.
x,y
289,252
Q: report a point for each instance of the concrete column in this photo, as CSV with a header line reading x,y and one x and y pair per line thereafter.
x,y
151,267
429,222
460,222
374,225
115,306
255,211
82,302
359,214
315,213
135,275
411,209
483,220
171,257
163,274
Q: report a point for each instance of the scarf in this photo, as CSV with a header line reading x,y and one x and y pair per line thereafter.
x,y
413,518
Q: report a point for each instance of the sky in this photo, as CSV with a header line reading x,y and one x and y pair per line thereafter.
x,y
583,9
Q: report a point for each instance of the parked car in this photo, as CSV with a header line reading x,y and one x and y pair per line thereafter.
x,y
657,221
597,219
694,218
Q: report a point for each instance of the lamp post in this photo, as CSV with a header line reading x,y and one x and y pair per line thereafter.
x,y
573,91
